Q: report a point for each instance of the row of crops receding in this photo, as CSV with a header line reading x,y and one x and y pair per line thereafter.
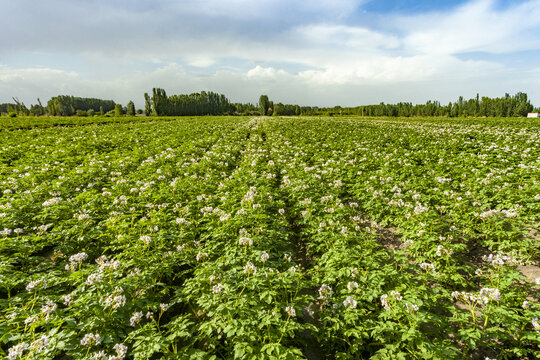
x,y
253,238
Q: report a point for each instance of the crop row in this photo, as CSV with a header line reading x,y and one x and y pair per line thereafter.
x,y
254,238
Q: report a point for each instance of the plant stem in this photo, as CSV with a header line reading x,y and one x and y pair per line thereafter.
x,y
284,329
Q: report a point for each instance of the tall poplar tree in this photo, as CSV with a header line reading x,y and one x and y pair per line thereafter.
x,y
264,104
131,108
118,110
147,105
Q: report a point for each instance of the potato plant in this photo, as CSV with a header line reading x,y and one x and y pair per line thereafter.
x,y
254,238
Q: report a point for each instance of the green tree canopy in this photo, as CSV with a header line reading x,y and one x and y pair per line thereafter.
x,y
118,110
264,104
203,103
131,108
64,105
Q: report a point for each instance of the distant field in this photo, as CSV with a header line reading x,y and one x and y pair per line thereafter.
x,y
240,237
8,123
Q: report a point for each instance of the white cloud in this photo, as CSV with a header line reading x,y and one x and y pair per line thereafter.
x,y
305,88
28,84
340,36
475,26
381,68
269,9
200,61
268,73
261,41
27,74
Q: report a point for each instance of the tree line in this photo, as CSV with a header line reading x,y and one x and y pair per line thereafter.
x,y
210,103
507,106
63,105
203,103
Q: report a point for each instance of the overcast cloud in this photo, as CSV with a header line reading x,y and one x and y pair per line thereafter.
x,y
342,52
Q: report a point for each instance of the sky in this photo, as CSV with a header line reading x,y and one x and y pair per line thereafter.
x,y
307,52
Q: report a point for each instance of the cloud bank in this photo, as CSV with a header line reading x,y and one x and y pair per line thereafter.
x,y
316,52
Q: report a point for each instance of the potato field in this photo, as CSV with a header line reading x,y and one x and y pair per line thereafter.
x,y
267,237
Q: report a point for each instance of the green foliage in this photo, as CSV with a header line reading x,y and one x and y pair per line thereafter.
x,y
19,108
130,108
118,111
203,103
7,108
507,106
245,109
209,103
147,105
264,104
264,238
20,122
64,105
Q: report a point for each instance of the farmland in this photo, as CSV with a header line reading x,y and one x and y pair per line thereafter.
x,y
259,237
